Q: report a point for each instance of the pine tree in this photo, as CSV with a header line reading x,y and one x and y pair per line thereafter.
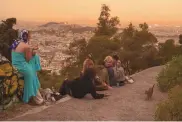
x,y
107,25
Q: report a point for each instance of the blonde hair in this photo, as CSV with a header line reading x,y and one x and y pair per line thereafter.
x,y
108,59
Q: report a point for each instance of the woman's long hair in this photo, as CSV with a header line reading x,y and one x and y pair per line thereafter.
x,y
88,63
89,73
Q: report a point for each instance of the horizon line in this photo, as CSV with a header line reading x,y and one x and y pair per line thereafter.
x,y
93,22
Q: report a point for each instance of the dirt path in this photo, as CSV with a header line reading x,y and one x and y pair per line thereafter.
x,y
125,103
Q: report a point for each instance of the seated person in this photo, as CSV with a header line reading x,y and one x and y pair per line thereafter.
x,y
119,74
87,63
79,87
108,61
102,82
115,59
109,65
28,64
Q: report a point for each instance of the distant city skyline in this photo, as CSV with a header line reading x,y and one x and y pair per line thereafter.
x,y
165,12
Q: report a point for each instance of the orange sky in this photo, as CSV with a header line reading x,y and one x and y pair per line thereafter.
x,y
87,11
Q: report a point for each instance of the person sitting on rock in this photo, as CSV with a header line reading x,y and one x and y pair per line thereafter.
x,y
27,63
119,74
81,86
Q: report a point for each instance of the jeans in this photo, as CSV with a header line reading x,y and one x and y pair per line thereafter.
x,y
111,76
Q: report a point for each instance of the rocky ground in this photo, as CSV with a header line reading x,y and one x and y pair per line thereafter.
x,y
124,103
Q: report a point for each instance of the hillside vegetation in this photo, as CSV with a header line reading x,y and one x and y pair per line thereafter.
x,y
137,47
171,109
170,80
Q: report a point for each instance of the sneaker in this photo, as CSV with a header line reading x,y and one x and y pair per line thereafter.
x,y
122,83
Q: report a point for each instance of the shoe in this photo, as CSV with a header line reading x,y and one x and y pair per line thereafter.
x,y
121,83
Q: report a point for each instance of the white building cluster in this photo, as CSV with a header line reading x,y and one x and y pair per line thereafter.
x,y
52,47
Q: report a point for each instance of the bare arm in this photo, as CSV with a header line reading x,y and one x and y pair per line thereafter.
x,y
34,47
28,53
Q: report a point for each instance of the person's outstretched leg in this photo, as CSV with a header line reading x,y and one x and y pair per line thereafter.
x,y
64,88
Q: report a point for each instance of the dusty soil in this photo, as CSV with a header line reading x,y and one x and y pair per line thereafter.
x,y
125,103
14,110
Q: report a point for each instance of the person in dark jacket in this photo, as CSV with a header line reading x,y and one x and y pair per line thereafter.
x,y
81,86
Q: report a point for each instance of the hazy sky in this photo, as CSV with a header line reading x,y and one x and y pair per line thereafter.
x,y
87,11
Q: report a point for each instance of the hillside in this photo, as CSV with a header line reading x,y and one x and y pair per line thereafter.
x,y
125,103
52,23
75,28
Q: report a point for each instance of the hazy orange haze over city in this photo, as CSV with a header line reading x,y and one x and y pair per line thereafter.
x,y
87,11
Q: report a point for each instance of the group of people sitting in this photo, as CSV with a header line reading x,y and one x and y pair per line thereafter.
x,y
27,62
111,74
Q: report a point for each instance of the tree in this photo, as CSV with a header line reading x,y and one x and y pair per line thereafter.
x,y
102,46
138,48
167,50
127,34
77,50
106,25
7,34
180,38
113,23
144,26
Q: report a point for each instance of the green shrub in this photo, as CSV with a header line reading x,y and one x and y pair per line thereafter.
x,y
73,71
49,81
171,75
102,46
171,109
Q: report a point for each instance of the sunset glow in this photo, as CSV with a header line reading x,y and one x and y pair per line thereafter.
x,y
87,11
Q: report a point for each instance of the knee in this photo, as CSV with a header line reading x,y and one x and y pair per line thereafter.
x,y
64,87
29,73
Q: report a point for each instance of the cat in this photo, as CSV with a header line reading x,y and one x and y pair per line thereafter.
x,y
149,92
